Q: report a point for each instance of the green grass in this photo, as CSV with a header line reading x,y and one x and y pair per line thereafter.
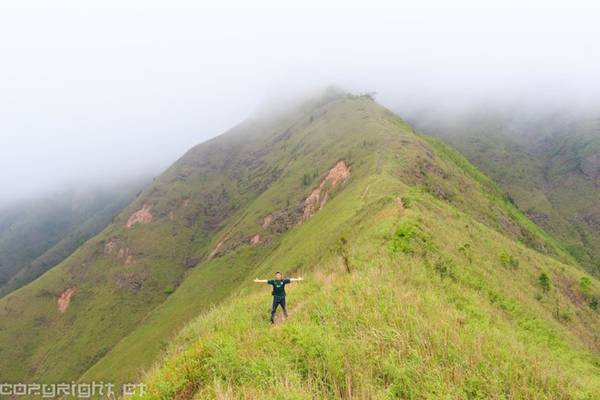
x,y
407,292
538,159
394,327
220,179
37,234
390,150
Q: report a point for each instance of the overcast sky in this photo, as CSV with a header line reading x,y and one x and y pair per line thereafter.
x,y
98,90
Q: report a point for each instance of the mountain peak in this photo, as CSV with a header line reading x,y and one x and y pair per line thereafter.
x,y
343,191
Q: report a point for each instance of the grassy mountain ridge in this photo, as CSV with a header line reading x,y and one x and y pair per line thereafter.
x,y
345,191
412,292
115,279
305,248
410,323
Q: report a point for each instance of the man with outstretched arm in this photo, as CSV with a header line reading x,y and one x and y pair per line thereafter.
x,y
278,292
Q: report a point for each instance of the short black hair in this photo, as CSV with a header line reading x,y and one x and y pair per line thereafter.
x,y
277,273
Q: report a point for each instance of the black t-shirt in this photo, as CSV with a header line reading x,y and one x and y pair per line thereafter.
x,y
278,286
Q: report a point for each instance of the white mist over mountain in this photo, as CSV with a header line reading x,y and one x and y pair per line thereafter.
x,y
101,90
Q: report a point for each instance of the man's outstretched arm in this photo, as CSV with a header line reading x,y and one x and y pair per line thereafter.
x,y
260,280
296,279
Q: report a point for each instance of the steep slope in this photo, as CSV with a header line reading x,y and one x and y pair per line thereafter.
x,y
300,191
386,160
59,325
35,235
548,163
422,282
416,316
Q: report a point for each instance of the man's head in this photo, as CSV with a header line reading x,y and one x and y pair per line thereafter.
x,y
278,275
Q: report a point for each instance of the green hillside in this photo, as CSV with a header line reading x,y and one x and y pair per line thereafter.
x,y
36,235
418,312
422,282
422,279
549,163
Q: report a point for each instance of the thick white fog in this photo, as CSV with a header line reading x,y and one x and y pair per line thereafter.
x,y
101,90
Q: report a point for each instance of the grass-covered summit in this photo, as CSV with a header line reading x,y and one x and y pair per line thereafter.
x,y
422,280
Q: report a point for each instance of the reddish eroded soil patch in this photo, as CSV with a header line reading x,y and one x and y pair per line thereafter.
x,y
183,203
114,247
280,222
338,174
400,204
141,216
267,221
64,299
255,239
229,243
125,254
111,246
313,203
318,197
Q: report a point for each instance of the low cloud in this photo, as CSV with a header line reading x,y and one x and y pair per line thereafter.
x,y
98,91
